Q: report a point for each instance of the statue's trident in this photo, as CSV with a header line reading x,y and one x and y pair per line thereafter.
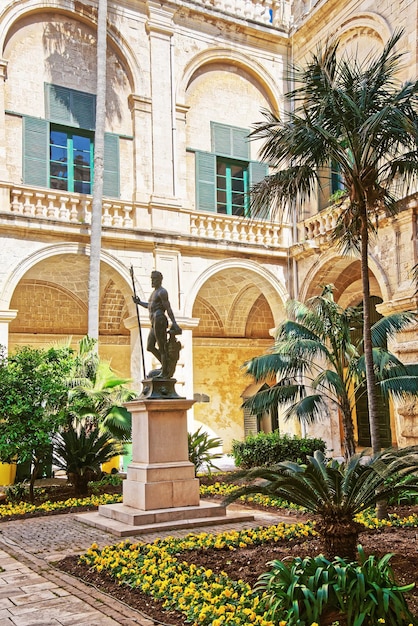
x,y
131,271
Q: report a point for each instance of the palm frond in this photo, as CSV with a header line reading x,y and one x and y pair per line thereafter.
x,y
387,327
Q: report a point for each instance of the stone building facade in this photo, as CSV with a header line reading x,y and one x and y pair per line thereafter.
x,y
187,80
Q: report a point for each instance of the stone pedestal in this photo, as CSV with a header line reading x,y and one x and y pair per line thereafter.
x,y
160,475
160,491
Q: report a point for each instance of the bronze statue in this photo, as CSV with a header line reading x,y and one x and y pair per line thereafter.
x,y
161,339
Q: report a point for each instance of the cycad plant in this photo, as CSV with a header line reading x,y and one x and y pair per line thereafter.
x,y
336,492
320,368
81,452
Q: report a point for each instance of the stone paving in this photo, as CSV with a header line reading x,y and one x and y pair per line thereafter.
x,y
34,593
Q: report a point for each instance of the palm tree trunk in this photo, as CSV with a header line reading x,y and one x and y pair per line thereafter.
x,y
367,339
96,212
381,507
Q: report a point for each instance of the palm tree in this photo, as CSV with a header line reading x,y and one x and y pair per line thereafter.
x,y
318,366
97,395
96,212
356,116
337,492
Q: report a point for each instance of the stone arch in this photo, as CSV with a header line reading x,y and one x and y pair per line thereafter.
x,y
17,11
344,273
215,56
48,252
273,290
369,22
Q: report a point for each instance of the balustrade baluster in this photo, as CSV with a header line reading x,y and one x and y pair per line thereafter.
x,y
28,208
15,205
63,211
74,210
40,209
193,227
218,229
202,228
51,210
210,232
127,220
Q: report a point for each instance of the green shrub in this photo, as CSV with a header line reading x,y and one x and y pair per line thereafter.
x,y
265,449
309,590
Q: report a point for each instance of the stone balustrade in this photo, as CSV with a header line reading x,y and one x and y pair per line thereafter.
x,y
320,225
72,208
274,12
235,229
67,207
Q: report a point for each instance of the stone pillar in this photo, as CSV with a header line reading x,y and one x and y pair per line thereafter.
x,y
160,31
142,129
5,318
3,160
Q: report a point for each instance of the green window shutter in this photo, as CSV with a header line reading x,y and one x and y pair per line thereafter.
x,y
258,171
70,107
35,151
230,141
205,181
240,143
111,166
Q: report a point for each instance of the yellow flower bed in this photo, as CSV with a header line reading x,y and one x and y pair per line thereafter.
x,y
25,508
204,597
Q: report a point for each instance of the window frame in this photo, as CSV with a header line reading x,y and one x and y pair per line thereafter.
x,y
70,132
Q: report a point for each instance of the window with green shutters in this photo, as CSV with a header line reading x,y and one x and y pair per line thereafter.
x,y
225,175
58,151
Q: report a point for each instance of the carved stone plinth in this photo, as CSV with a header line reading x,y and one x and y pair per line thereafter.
x,y
160,475
160,491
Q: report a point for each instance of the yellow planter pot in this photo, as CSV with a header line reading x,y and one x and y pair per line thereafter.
x,y
113,464
7,473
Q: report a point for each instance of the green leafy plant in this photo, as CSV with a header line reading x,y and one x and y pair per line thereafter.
x,y
309,590
80,453
201,448
335,491
265,449
319,366
17,492
33,395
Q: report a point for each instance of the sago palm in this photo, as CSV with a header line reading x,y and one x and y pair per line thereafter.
x,y
358,117
81,453
335,491
319,367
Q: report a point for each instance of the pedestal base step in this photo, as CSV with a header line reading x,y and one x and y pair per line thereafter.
x,y
124,521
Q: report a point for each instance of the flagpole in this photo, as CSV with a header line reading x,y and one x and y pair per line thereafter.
x,y
131,271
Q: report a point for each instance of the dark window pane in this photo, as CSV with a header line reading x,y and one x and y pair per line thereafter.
x,y
81,143
59,170
81,187
221,196
236,170
59,183
58,138
221,167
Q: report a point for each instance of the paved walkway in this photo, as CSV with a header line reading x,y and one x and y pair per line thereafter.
x,y
34,593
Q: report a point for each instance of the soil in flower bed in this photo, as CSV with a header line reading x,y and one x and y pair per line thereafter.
x,y
248,563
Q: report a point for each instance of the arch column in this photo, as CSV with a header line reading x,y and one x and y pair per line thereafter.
x,y
5,318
